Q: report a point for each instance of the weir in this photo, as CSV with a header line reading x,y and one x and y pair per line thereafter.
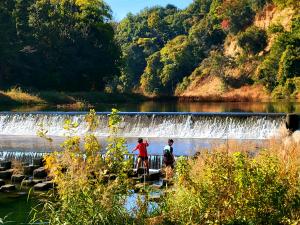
x,y
155,161
161,125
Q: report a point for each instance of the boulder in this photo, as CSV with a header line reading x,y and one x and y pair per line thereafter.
x,y
6,175
45,186
292,122
40,173
18,178
6,165
2,182
7,188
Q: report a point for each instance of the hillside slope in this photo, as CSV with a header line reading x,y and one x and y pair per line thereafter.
x,y
240,82
213,50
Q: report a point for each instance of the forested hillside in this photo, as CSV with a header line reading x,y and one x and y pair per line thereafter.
x,y
57,45
213,49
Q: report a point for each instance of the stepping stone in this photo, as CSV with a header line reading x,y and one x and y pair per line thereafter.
x,y
154,176
27,183
138,179
45,186
139,187
5,175
28,170
17,178
7,188
38,162
2,182
167,182
6,165
40,173
37,181
141,170
154,198
25,164
156,186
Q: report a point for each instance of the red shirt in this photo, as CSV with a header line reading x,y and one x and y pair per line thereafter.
x,y
142,147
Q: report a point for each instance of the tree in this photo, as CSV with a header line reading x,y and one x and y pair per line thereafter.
x,y
253,40
75,42
8,41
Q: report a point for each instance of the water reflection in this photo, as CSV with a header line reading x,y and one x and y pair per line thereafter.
x,y
174,106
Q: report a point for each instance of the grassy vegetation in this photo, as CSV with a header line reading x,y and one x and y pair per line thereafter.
x,y
17,96
230,184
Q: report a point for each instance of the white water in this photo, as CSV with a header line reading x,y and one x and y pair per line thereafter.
x,y
153,125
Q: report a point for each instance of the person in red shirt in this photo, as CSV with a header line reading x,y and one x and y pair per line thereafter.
x,y
143,154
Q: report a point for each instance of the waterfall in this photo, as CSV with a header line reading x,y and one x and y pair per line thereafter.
x,y
162,125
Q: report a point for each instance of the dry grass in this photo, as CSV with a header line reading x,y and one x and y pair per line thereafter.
x,y
17,166
70,100
248,93
18,96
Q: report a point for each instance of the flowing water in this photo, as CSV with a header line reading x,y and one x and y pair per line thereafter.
x,y
191,131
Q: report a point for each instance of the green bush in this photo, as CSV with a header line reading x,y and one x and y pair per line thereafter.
x,y
289,64
222,187
284,3
282,62
275,28
253,40
85,191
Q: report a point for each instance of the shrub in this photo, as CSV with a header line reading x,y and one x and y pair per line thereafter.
x,y
223,187
289,64
86,193
275,28
253,40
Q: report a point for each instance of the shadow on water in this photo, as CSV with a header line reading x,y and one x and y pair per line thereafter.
x,y
16,207
173,106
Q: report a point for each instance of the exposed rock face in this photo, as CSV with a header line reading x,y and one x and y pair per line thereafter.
x,y
40,173
273,15
7,188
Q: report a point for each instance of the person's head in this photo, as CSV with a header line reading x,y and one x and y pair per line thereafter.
x,y
170,142
140,140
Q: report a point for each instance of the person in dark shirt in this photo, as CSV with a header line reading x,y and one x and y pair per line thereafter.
x,y
169,158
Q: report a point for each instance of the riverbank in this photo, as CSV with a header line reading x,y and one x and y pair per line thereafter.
x,y
68,100
19,100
